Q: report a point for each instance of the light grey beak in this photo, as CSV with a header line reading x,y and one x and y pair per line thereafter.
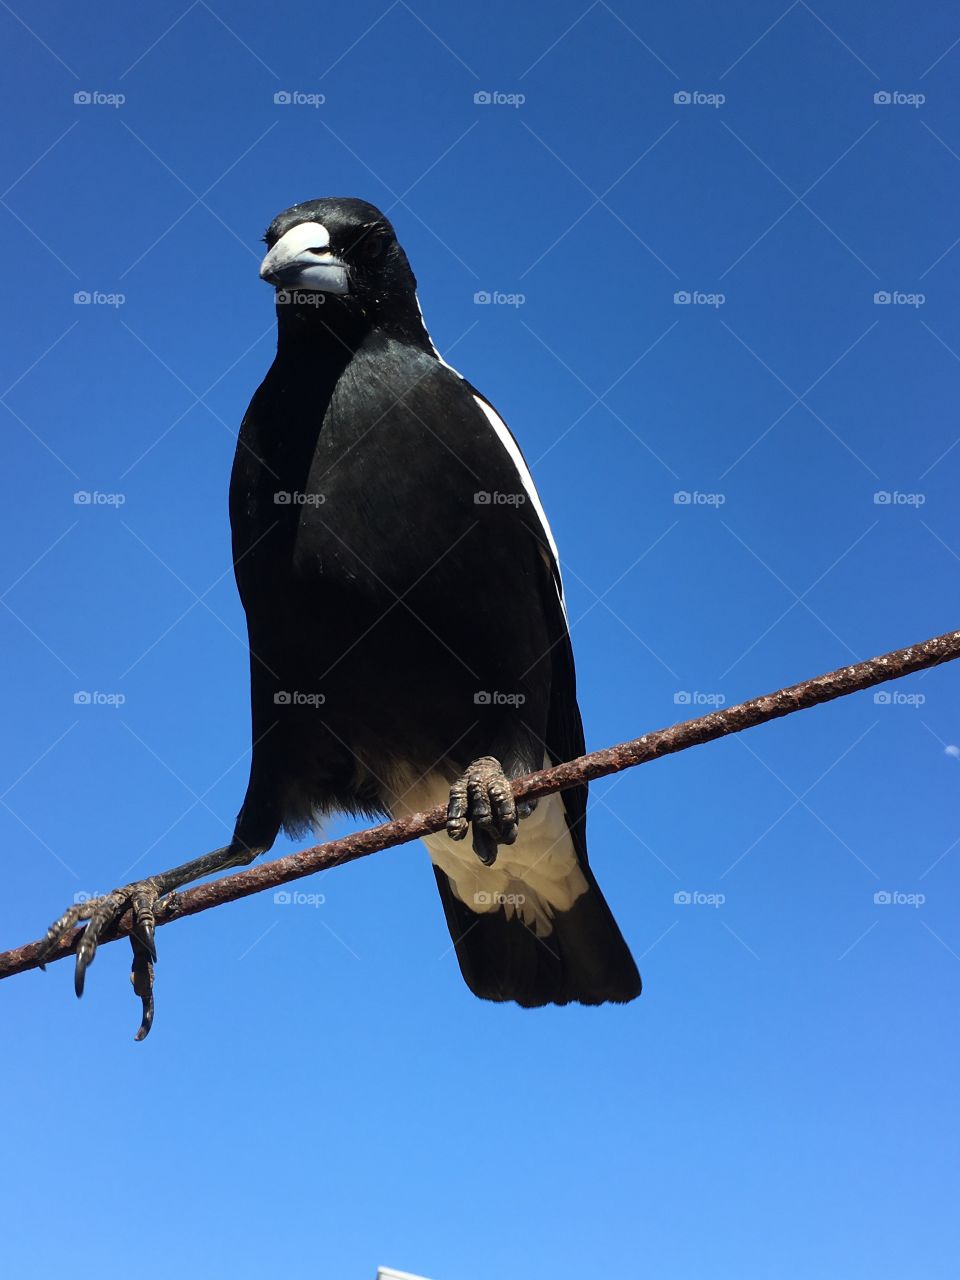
x,y
302,259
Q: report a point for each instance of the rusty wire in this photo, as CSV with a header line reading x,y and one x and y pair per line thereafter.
x,y
598,764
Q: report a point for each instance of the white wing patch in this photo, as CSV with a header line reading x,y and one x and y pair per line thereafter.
x,y
526,479
516,457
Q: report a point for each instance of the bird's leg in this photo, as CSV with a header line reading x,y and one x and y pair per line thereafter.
x,y
141,898
482,797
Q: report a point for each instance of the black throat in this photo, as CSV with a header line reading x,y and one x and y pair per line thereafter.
x,y
331,329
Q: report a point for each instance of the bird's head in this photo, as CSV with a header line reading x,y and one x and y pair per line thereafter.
x,y
342,251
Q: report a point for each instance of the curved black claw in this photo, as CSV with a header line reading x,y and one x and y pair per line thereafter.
x,y
141,975
101,915
143,941
482,797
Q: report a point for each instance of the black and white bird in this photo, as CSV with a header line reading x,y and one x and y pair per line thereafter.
x,y
408,638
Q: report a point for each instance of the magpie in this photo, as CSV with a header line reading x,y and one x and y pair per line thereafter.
x,y
408,636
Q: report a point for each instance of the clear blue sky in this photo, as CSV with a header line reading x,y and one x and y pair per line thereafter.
x,y
320,1092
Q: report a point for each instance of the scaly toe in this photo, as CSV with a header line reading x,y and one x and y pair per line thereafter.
x,y
482,798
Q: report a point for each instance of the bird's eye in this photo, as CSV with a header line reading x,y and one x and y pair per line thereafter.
x,y
372,245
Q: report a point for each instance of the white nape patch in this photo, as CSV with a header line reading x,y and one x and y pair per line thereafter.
x,y
526,479
533,878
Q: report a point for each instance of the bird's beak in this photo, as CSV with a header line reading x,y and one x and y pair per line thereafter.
x,y
302,259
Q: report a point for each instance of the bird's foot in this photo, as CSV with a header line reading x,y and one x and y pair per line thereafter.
x,y
483,798
101,915
140,898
